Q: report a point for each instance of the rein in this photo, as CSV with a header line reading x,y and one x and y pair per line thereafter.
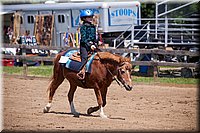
x,y
118,82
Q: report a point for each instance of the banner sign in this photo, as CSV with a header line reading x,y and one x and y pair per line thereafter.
x,y
122,16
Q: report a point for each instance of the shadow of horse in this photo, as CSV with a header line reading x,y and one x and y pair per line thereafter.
x,y
84,114
74,115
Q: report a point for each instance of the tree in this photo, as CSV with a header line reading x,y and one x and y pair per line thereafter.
x,y
147,11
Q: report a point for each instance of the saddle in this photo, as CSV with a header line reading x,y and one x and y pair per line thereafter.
x,y
71,60
77,57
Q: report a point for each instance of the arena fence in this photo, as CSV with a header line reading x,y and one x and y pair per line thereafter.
x,y
153,63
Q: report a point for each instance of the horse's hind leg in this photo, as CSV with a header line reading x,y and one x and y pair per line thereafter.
x,y
51,91
71,97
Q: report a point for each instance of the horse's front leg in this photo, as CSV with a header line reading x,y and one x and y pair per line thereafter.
x,y
103,95
70,98
100,102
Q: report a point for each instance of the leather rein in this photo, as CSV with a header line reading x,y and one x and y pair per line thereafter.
x,y
114,77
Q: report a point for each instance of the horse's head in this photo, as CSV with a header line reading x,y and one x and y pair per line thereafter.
x,y
124,75
123,70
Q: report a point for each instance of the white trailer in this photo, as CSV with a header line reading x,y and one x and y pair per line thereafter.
x,y
113,17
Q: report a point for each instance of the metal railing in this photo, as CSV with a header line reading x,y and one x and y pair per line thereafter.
x,y
128,36
121,35
166,19
177,33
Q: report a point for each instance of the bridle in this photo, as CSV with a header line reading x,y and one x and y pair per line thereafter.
x,y
121,84
115,78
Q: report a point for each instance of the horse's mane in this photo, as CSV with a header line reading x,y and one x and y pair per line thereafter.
x,y
114,58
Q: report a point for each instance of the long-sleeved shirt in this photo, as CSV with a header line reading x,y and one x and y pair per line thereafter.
x,y
88,33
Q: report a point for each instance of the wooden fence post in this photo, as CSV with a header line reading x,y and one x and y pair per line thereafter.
x,y
24,61
155,72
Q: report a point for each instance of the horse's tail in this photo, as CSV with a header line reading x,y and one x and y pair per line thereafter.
x,y
56,67
56,70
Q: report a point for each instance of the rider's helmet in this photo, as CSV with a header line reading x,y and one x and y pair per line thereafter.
x,y
86,13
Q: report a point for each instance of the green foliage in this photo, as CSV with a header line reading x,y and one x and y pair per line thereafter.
x,y
185,12
148,10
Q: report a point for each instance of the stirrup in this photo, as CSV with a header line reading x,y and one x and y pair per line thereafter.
x,y
81,75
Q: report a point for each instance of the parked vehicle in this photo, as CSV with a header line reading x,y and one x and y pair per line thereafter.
x,y
52,23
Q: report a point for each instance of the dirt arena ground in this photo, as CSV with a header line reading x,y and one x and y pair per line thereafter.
x,y
148,107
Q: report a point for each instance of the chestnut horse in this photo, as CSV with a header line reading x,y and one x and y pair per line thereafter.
x,y
105,67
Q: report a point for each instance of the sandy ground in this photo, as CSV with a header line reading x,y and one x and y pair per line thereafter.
x,y
148,107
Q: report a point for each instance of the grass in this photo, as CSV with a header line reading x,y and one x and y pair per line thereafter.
x,y
12,70
46,71
166,80
42,71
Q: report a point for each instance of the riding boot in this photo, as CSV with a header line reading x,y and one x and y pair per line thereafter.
x,y
81,73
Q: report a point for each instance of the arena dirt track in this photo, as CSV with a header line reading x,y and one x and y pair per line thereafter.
x,y
147,107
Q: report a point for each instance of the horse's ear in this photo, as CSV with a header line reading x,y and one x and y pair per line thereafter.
x,y
128,60
125,59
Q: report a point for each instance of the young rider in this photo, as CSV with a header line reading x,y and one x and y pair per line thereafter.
x,y
88,41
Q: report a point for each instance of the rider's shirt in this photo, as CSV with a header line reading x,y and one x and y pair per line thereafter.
x,y
88,34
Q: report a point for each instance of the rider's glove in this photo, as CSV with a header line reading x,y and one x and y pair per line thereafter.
x,y
93,47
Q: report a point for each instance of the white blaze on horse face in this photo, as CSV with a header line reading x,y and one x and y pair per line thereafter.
x,y
129,76
126,76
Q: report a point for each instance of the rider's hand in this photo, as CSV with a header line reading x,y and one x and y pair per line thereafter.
x,y
91,43
93,47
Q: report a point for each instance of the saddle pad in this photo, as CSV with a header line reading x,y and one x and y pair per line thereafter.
x,y
75,65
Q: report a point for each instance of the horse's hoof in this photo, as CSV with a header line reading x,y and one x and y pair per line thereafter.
x,y
46,109
90,110
76,115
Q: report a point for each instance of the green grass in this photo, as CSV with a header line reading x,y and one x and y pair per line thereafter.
x,y
179,80
43,71
166,80
12,70
46,71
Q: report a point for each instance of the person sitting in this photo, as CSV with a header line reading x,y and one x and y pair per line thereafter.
x,y
88,41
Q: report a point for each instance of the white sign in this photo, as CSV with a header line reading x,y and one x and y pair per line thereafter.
x,y
122,16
